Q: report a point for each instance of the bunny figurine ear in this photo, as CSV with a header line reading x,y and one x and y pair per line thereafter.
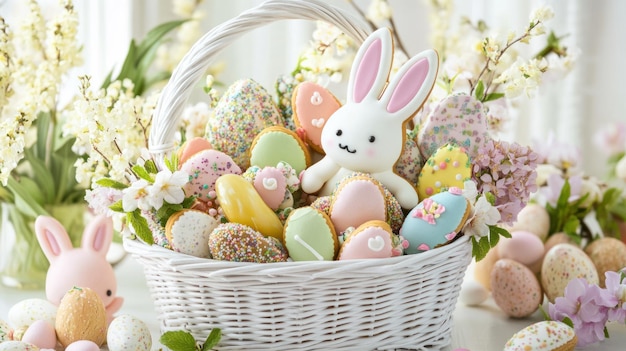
x,y
371,66
52,237
98,235
412,84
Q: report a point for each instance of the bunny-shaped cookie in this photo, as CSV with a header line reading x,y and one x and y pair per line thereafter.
x,y
367,133
85,266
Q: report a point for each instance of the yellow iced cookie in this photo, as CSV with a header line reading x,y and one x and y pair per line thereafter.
x,y
448,167
242,204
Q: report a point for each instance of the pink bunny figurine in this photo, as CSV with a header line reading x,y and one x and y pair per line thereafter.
x,y
367,133
85,266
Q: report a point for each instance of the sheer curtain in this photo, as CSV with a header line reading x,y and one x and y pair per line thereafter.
x,y
590,97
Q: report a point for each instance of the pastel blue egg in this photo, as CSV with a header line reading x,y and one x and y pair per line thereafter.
x,y
434,221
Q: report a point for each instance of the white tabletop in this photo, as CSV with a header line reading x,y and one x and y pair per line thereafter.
x,y
481,328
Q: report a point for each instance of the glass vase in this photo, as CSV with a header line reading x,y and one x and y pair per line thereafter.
x,y
23,264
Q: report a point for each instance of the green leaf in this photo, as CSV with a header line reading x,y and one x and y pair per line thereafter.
x,y
568,321
480,248
606,333
128,67
178,341
166,211
155,35
140,226
572,223
494,236
212,340
64,172
493,96
141,172
41,176
110,183
151,167
24,200
563,200
479,93
43,129
117,206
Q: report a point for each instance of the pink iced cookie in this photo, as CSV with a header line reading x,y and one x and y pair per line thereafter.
x,y
458,119
312,106
358,199
192,147
373,239
204,168
271,184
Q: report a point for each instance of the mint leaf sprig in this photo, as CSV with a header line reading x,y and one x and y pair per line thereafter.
x,y
184,341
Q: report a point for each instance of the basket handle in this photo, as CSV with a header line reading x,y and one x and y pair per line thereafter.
x,y
195,63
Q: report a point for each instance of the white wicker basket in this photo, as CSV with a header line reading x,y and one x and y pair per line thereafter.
x,y
378,304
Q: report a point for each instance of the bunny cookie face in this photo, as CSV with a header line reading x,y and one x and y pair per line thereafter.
x,y
367,133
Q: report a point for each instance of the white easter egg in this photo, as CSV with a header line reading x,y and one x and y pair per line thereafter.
x,y
544,335
25,312
473,293
128,333
83,345
17,346
533,218
563,263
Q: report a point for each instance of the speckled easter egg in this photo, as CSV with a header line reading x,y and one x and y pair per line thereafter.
x,y
448,167
435,221
128,333
81,316
17,346
25,312
607,254
544,336
457,119
515,289
533,218
523,247
244,110
563,263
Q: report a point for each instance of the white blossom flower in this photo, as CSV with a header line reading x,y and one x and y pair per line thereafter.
x,y
470,191
194,119
379,11
482,216
620,169
167,187
101,198
136,196
542,13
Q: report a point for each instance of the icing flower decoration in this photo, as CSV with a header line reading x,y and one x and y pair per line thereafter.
x,y
430,212
587,307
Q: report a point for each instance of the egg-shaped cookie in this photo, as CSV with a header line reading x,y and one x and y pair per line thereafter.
x,y
544,335
312,106
435,221
244,110
241,203
239,243
310,235
204,168
458,119
188,232
448,167
279,144
372,239
356,200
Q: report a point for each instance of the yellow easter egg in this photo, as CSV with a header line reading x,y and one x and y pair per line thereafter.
x,y
448,167
242,204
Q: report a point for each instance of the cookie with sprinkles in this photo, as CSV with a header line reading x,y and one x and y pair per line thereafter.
x,y
188,232
239,243
244,110
457,119
448,167
204,168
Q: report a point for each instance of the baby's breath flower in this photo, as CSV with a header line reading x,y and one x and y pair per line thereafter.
x,y
542,14
379,11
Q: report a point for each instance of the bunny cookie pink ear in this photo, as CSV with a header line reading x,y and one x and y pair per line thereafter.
x,y
98,235
412,84
52,237
371,65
